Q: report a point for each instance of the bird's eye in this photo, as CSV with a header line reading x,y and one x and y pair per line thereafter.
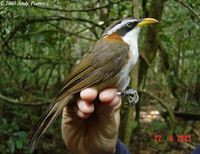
x,y
129,24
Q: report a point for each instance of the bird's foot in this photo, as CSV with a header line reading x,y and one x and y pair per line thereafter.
x,y
131,95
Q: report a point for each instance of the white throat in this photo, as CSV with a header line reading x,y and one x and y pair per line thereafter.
x,y
131,38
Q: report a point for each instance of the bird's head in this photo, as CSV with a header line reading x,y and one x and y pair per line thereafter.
x,y
128,28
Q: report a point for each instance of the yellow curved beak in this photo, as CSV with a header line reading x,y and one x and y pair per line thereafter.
x,y
147,21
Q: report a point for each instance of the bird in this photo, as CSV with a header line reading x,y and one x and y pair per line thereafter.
x,y
107,65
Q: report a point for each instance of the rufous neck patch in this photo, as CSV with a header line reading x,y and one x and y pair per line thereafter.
x,y
113,37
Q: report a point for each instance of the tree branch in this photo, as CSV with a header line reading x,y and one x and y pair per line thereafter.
x,y
17,102
29,20
184,115
80,10
189,8
162,103
73,33
48,79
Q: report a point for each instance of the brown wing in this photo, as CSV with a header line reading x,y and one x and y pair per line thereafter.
x,y
104,62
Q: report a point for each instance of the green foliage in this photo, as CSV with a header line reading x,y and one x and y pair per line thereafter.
x,y
14,138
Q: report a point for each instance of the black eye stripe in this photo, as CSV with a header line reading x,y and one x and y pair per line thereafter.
x,y
131,24
122,26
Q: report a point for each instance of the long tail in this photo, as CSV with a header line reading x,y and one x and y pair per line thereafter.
x,y
50,115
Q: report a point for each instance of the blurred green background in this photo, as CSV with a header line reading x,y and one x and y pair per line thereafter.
x,y
40,42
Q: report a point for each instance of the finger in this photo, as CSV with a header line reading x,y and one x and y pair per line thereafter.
x,y
108,95
79,113
82,115
110,104
84,109
109,108
88,94
115,101
84,106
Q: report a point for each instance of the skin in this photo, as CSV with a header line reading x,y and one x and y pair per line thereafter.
x,y
89,128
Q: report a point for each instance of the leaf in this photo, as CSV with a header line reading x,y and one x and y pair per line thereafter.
x,y
19,144
134,125
11,145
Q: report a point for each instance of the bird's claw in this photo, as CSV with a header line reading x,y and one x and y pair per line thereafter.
x,y
131,95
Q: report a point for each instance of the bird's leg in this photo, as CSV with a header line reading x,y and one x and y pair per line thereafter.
x,y
131,95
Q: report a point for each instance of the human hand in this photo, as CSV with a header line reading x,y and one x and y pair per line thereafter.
x,y
89,127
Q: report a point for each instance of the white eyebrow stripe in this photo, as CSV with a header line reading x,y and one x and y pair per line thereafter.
x,y
118,26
